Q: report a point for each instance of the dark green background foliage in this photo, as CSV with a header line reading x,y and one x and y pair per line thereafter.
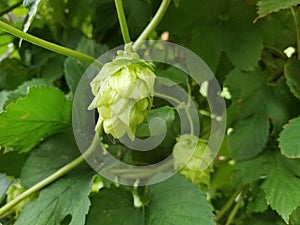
x,y
255,179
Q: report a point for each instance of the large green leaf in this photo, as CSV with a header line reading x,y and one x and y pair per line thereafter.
x,y
281,182
289,140
41,113
175,201
266,7
282,187
291,72
208,28
114,206
256,103
49,157
65,200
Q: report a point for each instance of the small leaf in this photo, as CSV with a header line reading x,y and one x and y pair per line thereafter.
x,y
68,197
4,184
41,113
13,73
289,139
174,74
74,68
291,72
266,7
166,113
3,99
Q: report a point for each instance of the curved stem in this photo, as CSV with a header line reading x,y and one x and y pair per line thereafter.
x,y
45,44
67,168
234,211
10,8
153,24
295,17
228,204
122,21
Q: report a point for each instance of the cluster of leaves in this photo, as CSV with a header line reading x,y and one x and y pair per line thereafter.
x,y
254,180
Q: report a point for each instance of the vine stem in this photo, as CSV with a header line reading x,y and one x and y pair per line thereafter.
x,y
295,17
59,173
122,21
45,44
234,211
153,24
228,204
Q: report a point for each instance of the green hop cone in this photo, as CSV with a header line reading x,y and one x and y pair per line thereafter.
x,y
191,145
123,91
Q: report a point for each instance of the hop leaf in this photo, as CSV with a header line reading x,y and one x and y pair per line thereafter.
x,y
123,92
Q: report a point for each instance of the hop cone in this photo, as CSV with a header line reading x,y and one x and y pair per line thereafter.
x,y
123,92
184,147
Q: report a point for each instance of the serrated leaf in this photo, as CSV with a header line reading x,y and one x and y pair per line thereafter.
x,y
43,160
289,140
74,68
41,113
244,172
282,188
66,197
175,201
255,104
208,27
249,137
291,72
166,204
280,180
266,7
32,6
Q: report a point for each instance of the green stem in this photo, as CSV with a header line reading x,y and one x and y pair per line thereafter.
x,y
122,21
153,24
295,17
64,170
234,211
45,44
12,7
228,204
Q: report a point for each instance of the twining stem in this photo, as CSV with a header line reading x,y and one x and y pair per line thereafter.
x,y
122,21
153,24
46,44
228,204
234,211
10,8
295,17
64,170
